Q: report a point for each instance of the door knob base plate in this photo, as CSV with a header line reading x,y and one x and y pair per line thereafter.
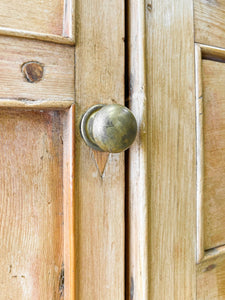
x,y
83,126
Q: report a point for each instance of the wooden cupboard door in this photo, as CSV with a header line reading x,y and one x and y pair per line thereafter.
x,y
62,225
177,73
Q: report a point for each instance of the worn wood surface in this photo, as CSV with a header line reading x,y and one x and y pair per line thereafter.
x,y
99,197
211,275
210,169
210,22
37,36
212,53
48,20
31,206
56,84
137,200
69,203
213,74
200,153
171,149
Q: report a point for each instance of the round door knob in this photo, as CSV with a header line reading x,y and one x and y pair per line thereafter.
x,y
108,128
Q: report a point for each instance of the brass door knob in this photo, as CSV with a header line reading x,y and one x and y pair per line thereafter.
x,y
108,128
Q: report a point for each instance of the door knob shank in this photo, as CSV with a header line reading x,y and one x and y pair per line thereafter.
x,y
108,128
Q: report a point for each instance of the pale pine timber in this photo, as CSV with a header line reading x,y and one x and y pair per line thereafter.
x,y
37,36
210,22
137,201
56,88
211,275
200,153
69,203
99,199
171,150
209,97
31,223
45,20
213,74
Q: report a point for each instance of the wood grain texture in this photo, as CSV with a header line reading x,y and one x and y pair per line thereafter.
x,y
101,160
57,84
69,203
99,199
212,53
210,22
45,104
37,36
211,275
137,200
171,150
213,74
31,206
200,152
69,20
48,20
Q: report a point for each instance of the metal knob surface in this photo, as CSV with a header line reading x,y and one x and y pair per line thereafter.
x,y
108,128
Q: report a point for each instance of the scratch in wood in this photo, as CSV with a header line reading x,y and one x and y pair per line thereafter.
x,y
10,269
61,282
15,276
209,268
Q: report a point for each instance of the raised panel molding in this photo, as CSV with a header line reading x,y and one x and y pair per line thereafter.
x,y
51,20
210,126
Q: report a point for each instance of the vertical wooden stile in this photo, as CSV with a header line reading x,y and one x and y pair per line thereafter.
x,y
137,201
99,195
171,149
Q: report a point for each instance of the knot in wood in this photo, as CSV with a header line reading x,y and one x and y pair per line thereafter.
x,y
33,71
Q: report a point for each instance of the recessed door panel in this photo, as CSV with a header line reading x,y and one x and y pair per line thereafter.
x,y
210,127
213,74
49,20
33,206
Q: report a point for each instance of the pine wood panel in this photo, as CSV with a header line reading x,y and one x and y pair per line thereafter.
x,y
171,149
211,275
99,195
31,223
209,97
56,87
37,204
48,20
213,74
210,22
